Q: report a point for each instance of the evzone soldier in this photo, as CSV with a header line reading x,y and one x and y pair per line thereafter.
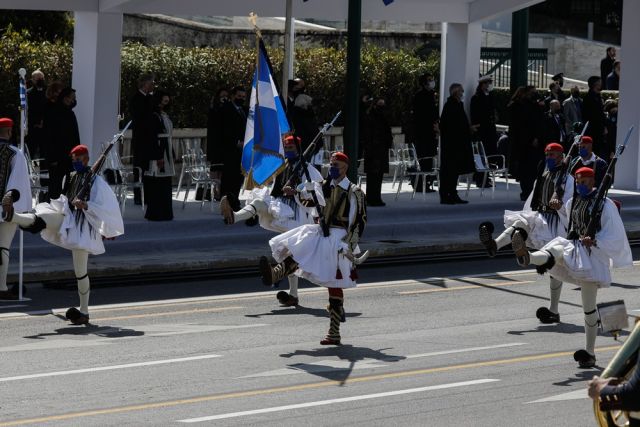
x,y
286,205
14,181
584,257
324,253
586,157
541,220
78,223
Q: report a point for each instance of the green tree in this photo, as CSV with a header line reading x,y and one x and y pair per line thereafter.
x,y
38,25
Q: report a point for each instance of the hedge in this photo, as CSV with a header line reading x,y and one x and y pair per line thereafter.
x,y
192,75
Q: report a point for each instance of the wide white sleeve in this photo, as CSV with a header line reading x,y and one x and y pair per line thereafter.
x,y
20,180
612,237
527,203
353,208
316,177
103,210
568,189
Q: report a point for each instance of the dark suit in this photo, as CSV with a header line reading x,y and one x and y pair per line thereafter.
x,y
61,127
144,134
606,67
483,113
554,128
593,112
37,101
234,121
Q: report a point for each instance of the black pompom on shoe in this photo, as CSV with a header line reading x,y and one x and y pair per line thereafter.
x,y
584,359
546,316
485,231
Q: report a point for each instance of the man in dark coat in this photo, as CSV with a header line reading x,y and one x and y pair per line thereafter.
x,y
554,125
606,65
61,126
593,112
36,101
378,139
456,154
483,115
302,115
144,126
233,116
214,126
613,79
425,117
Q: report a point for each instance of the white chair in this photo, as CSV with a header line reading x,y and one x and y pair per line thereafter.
x,y
128,180
36,175
362,176
188,146
199,175
490,166
414,171
396,163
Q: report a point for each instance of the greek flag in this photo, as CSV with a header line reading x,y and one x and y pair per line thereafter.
x,y
262,154
23,102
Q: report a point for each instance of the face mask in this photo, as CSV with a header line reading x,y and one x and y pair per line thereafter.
x,y
290,155
584,153
334,172
551,164
239,102
431,84
78,166
40,84
583,190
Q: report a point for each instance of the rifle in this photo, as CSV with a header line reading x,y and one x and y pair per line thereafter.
x,y
561,183
303,163
603,190
95,170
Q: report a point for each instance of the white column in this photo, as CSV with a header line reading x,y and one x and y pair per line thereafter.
x,y
627,173
460,58
96,76
289,51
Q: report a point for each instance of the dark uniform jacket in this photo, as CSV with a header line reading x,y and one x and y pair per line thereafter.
x,y
483,113
144,128
425,115
377,139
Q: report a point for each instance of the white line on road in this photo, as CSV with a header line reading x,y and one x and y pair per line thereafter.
x,y
465,350
110,368
333,401
572,395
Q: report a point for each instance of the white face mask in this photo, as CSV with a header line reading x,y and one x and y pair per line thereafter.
x,y
431,84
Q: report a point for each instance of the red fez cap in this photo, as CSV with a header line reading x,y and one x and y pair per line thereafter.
x,y
340,156
6,123
554,146
291,140
586,140
585,172
80,149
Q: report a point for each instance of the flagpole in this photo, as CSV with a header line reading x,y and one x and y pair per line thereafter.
x,y
23,125
253,18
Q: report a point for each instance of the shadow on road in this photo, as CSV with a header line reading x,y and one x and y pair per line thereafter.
x,y
561,328
581,376
99,331
316,312
347,353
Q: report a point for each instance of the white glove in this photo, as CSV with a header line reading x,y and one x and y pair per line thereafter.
x,y
305,186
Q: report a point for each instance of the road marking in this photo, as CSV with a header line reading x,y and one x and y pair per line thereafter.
x,y
572,395
170,313
335,365
283,389
110,368
460,288
339,400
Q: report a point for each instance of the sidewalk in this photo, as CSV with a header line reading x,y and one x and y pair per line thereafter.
x,y
197,239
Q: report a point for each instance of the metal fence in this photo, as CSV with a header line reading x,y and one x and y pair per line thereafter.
x,y
497,61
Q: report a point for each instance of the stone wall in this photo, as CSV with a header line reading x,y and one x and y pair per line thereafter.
x,y
152,29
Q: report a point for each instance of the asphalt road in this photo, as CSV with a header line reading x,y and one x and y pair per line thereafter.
x,y
424,345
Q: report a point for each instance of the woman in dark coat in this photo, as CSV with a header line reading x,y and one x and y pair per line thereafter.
x,y
377,142
456,154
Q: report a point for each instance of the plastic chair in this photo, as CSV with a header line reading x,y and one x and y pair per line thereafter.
x,y
199,175
188,146
415,172
490,166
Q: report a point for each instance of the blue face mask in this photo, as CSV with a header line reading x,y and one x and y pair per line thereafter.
x,y
551,164
78,166
583,152
583,190
334,172
290,155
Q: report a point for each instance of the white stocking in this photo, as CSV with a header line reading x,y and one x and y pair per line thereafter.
x,y
53,220
505,238
80,261
293,285
257,207
589,294
542,257
555,286
7,231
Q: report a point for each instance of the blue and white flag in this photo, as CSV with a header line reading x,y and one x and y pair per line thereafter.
x,y
23,102
262,154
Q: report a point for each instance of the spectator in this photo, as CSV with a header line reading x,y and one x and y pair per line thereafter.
x,y
456,154
233,116
593,112
366,101
158,189
572,108
559,78
378,140
37,101
214,127
613,79
144,136
525,128
483,117
606,65
554,125
611,111
61,127
555,92
424,122
304,120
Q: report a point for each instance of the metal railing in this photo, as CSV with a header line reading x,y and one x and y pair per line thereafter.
x,y
497,61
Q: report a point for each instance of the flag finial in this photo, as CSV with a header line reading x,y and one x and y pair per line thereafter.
x,y
253,19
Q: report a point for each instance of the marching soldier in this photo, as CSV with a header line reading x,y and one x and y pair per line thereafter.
x,y
586,157
16,184
285,206
324,253
542,219
76,224
583,258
